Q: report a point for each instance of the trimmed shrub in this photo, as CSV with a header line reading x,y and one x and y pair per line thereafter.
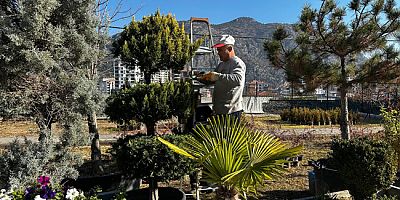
x,y
365,165
145,157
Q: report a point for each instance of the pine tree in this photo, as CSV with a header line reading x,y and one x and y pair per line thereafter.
x,y
334,46
157,42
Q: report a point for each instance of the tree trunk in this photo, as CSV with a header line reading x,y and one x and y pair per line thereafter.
x,y
153,189
224,193
344,108
151,128
147,78
93,131
95,143
44,131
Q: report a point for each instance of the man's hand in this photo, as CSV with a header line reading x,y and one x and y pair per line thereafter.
x,y
210,76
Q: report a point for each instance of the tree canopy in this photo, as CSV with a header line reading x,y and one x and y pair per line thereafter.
x,y
157,42
46,48
340,51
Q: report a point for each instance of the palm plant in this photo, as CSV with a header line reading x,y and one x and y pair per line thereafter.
x,y
233,156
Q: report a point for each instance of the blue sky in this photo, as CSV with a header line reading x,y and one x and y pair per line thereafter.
x,y
264,11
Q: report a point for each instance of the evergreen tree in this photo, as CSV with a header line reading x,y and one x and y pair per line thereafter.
x,y
147,103
157,42
334,46
46,47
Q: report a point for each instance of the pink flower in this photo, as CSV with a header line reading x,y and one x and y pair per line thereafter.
x,y
44,180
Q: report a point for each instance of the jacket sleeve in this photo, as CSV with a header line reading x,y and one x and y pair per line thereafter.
x,y
237,75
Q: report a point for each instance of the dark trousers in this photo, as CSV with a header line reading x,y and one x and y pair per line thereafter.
x,y
237,114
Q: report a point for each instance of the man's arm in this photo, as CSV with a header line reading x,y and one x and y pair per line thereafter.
x,y
237,75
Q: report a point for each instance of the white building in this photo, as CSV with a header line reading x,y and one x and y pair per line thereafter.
x,y
124,75
107,85
129,76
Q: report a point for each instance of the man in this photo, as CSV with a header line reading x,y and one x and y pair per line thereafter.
x,y
229,79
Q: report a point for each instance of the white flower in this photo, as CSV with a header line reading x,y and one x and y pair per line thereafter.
x,y
37,197
4,195
73,193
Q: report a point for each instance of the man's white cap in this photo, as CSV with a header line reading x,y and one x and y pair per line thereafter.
x,y
225,40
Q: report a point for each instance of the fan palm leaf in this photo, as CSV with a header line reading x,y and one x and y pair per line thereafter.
x,y
233,156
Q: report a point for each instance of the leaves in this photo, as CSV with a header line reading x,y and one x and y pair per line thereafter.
x,y
234,156
157,42
151,103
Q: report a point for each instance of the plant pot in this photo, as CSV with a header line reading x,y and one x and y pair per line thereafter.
x,y
104,183
164,193
327,180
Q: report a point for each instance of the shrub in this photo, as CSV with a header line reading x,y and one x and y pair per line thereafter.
x,y
365,165
21,164
391,119
141,156
316,116
145,157
151,103
234,157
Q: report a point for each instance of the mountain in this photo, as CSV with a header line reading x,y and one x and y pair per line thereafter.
x,y
250,36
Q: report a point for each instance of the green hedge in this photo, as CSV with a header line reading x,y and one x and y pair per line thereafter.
x,y
318,116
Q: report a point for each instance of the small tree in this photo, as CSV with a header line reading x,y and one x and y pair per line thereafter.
x,y
157,42
142,103
336,46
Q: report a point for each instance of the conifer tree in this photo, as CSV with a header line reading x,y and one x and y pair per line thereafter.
x,y
335,45
45,49
157,42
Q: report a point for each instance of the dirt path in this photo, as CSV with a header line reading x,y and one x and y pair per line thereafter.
x,y
334,130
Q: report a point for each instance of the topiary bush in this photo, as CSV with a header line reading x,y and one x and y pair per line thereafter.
x,y
150,103
144,157
365,165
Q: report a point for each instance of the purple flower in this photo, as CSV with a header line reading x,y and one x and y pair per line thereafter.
x,y
47,193
29,192
43,180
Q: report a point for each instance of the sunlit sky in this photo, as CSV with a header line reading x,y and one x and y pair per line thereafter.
x,y
264,11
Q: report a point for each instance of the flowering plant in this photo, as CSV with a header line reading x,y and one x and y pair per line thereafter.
x,y
42,190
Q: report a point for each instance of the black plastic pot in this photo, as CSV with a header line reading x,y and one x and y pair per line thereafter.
x,y
105,183
164,193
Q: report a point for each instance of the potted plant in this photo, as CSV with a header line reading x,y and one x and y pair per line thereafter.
x,y
234,157
144,157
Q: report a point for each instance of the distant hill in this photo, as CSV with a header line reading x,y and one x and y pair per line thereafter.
x,y
250,36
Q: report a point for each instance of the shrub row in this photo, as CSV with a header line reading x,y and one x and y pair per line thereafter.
x,y
316,116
